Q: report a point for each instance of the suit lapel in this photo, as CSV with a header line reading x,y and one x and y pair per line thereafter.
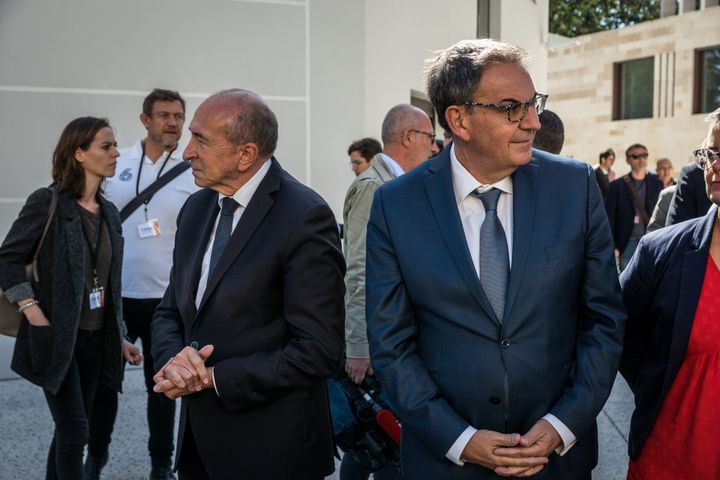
x,y
524,204
252,216
438,187
201,245
69,211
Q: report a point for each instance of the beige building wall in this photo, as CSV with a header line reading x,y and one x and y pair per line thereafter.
x,y
580,84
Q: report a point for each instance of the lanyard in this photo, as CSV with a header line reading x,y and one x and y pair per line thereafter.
x,y
94,249
137,183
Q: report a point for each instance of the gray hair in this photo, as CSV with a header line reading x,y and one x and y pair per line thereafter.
x,y
452,75
399,118
254,122
713,117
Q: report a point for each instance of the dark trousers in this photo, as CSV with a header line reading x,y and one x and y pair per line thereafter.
x,y
138,315
355,467
69,408
190,466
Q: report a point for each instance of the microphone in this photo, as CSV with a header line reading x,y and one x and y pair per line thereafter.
x,y
389,424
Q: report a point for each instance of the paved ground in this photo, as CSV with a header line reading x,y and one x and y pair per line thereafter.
x,y
26,429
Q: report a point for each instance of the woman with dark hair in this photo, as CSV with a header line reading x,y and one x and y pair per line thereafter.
x,y
671,358
603,171
73,333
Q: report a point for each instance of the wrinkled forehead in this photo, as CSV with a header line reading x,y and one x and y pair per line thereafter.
x,y
713,137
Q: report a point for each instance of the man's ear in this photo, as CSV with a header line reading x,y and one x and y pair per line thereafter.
x,y
405,137
248,153
145,120
457,120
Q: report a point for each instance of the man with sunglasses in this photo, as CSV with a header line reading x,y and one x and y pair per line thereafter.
x,y
630,202
493,307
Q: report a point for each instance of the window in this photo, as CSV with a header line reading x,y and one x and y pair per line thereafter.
x,y
707,80
633,96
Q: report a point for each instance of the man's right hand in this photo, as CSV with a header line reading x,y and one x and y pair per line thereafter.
x,y
186,370
482,444
357,368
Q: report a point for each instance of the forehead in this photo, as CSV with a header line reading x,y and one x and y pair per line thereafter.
x,y
105,134
713,137
167,106
505,81
636,150
210,117
664,163
356,155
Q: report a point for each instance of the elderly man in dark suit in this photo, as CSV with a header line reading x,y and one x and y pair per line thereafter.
x,y
493,305
251,324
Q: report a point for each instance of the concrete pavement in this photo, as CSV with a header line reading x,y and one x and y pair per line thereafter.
x,y
27,427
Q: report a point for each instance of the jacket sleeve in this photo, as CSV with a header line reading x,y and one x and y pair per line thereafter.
x,y
392,328
602,316
357,214
611,206
313,310
19,246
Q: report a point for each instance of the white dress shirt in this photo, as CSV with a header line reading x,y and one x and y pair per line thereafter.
x,y
472,215
394,166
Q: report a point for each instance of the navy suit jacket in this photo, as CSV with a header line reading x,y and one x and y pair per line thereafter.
x,y
620,206
661,288
274,310
690,199
443,357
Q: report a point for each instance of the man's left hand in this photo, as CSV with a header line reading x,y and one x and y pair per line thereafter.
x,y
540,441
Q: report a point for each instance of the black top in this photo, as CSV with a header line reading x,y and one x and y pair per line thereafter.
x,y
94,319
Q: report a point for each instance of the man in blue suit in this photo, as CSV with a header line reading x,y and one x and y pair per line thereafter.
x,y
494,314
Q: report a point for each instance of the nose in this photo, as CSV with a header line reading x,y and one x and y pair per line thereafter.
x,y
189,152
434,148
531,120
115,152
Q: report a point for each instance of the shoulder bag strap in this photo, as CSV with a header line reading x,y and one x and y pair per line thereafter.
x,y
51,213
638,200
152,188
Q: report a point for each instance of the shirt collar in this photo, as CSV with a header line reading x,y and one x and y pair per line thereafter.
x,y
175,157
464,183
394,166
246,192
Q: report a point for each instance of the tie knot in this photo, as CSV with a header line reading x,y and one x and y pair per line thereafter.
x,y
229,205
489,198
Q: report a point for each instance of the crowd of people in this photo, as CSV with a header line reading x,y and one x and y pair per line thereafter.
x,y
494,289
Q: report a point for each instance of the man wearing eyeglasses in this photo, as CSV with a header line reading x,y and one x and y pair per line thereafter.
x,y
494,315
630,202
408,140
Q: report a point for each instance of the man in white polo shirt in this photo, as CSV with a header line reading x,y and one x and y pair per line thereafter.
x,y
149,225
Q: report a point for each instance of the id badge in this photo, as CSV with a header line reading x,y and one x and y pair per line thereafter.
x,y
637,220
149,229
97,298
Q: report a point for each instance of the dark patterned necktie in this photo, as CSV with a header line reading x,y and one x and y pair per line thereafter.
x,y
494,259
223,231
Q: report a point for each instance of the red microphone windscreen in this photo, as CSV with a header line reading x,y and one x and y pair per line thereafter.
x,y
389,423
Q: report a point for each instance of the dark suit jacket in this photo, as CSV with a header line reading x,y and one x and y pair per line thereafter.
x,y
602,181
446,361
661,288
43,355
274,311
620,206
690,199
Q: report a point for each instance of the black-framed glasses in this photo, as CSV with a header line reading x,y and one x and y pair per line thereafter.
x,y
516,111
430,135
705,157
636,156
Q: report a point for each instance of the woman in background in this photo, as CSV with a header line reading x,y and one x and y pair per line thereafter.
x,y
74,334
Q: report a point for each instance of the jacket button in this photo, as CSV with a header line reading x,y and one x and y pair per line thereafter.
x,y
505,343
494,400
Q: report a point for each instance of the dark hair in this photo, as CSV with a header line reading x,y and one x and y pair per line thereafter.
x,y
160,95
452,76
634,145
368,148
551,135
67,172
604,155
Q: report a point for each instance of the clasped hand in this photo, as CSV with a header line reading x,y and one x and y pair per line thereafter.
x,y
185,373
512,455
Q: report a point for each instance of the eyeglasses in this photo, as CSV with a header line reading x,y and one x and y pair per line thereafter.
x,y
636,156
705,157
516,111
430,135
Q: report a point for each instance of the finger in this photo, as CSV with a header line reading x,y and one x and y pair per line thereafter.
x,y
175,377
198,364
506,439
370,371
537,450
518,471
525,462
206,351
163,386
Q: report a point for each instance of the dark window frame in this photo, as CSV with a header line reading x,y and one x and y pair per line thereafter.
x,y
698,77
617,97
